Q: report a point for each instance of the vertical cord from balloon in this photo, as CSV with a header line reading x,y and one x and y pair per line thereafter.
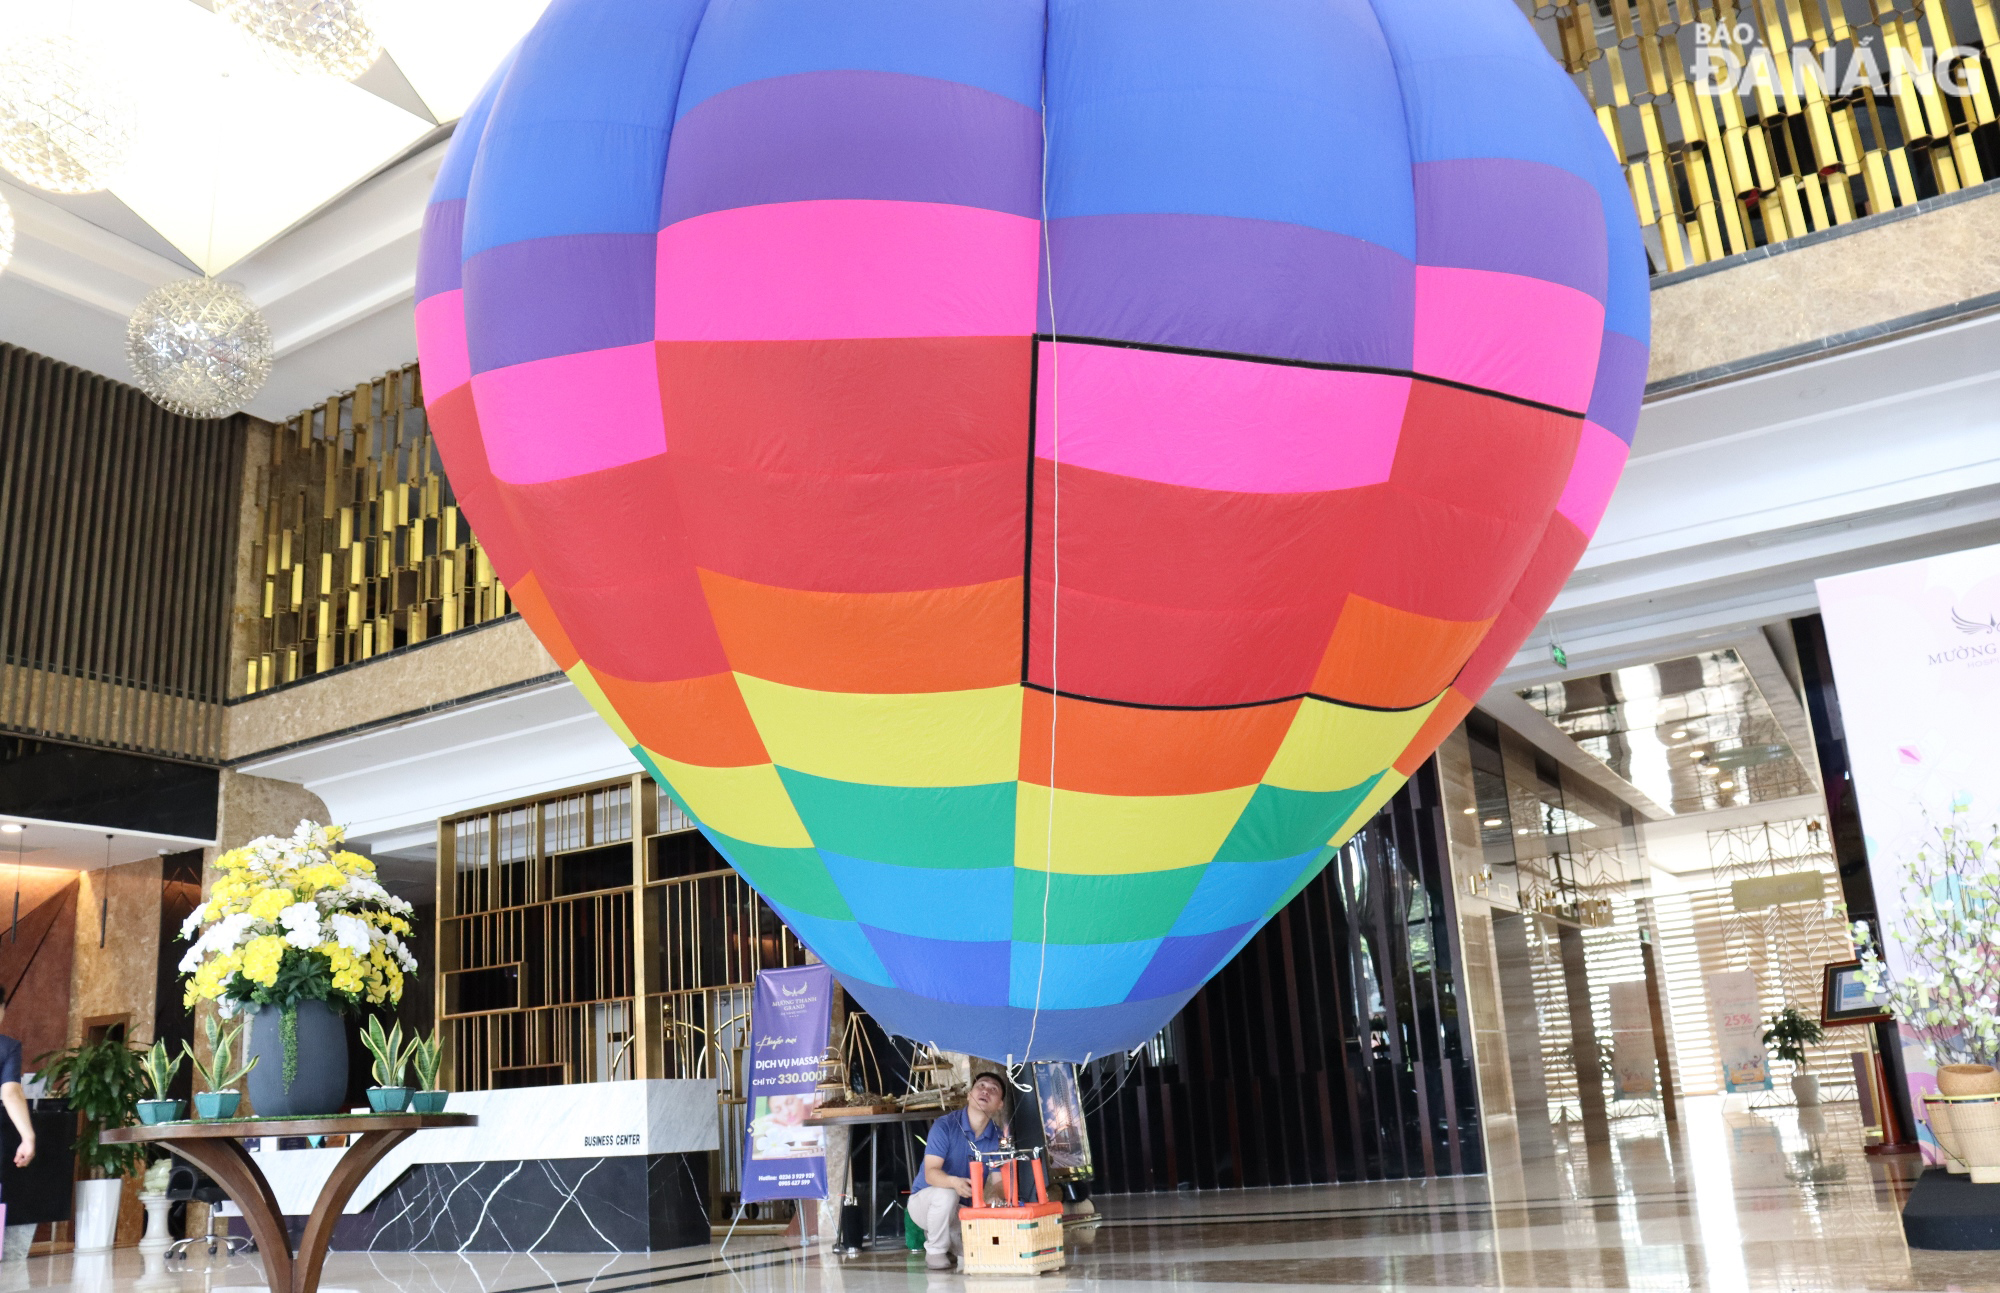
x,y
1055,557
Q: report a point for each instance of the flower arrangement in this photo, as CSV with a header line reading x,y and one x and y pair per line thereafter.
x,y
297,919
1949,992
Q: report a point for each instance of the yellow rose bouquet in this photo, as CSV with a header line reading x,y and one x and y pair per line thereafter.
x,y
297,919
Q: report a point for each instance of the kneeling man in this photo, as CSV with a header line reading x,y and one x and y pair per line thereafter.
x,y
946,1179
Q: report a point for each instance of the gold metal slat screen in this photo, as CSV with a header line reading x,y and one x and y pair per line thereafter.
x,y
1713,175
360,541
117,546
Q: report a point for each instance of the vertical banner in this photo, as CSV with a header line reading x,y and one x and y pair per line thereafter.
x,y
789,1019
1737,1016
1632,1056
1916,661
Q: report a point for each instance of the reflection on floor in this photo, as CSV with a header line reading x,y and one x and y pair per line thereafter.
x,y
1731,1200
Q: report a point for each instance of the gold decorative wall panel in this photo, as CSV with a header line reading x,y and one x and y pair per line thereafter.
x,y
117,539
594,935
1792,150
360,541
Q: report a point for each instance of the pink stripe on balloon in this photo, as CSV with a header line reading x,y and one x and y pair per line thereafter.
x,y
1600,456
1508,333
796,271
561,417
441,352
1208,423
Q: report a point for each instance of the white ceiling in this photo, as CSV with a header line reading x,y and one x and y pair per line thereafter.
x,y
315,188
70,847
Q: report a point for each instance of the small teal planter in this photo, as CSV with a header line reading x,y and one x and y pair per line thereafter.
x,y
154,1112
429,1101
216,1104
388,1099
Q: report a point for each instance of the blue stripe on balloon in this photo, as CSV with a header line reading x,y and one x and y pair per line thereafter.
x,y
454,177
1268,109
1003,1031
840,943
577,142
966,974
970,906
1184,964
1233,894
995,45
1077,976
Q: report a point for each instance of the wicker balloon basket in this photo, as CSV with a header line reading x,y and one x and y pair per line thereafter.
x,y
1011,1237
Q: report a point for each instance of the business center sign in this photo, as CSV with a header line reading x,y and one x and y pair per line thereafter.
x,y
1916,660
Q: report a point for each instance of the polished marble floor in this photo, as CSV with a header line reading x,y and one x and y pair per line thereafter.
x,y
1731,1199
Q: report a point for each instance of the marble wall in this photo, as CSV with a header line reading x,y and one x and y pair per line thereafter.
x,y
117,949
1881,272
409,681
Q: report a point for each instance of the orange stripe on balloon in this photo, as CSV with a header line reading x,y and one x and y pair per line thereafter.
x,y
528,598
1390,659
937,639
701,721
1126,750
1452,709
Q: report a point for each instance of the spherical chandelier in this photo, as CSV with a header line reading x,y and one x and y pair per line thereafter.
x,y
6,234
67,121
326,36
200,348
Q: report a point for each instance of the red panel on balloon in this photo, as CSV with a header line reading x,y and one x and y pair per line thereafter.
x,y
870,405
1504,459
944,527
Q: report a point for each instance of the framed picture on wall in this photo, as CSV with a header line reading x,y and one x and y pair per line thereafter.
x,y
1846,1000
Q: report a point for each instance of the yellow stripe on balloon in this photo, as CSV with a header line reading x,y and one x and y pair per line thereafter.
x,y
939,738
579,673
1391,782
1332,747
749,803
1122,834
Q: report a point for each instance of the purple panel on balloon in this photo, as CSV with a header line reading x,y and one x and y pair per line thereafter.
x,y
1514,217
967,974
880,135
1620,385
438,266
1185,961
558,296
1251,287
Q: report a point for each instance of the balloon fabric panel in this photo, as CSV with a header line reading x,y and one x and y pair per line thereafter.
x,y
1031,477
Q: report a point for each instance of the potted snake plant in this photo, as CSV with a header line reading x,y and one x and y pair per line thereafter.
x,y
160,1068
392,1058
427,1057
219,1097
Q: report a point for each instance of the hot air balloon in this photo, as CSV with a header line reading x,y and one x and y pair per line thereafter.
x,y
1030,477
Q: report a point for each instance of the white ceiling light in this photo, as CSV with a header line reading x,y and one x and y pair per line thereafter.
x,y
67,121
200,348
6,233
308,36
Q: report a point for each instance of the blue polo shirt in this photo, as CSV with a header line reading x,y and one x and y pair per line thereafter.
x,y
10,1060
951,1139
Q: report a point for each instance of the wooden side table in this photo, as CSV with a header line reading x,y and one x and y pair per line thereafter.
x,y
217,1148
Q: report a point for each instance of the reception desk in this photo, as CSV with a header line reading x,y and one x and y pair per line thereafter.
x,y
599,1167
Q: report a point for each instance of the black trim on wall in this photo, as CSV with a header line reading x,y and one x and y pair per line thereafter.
x,y
1843,814
95,787
173,1022
1332,1048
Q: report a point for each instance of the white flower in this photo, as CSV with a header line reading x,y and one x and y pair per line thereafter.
x,y
301,922
351,932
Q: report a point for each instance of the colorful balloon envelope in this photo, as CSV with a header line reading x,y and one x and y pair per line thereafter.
x,y
1031,478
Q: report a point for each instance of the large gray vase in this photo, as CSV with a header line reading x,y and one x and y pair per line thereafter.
x,y
321,1084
